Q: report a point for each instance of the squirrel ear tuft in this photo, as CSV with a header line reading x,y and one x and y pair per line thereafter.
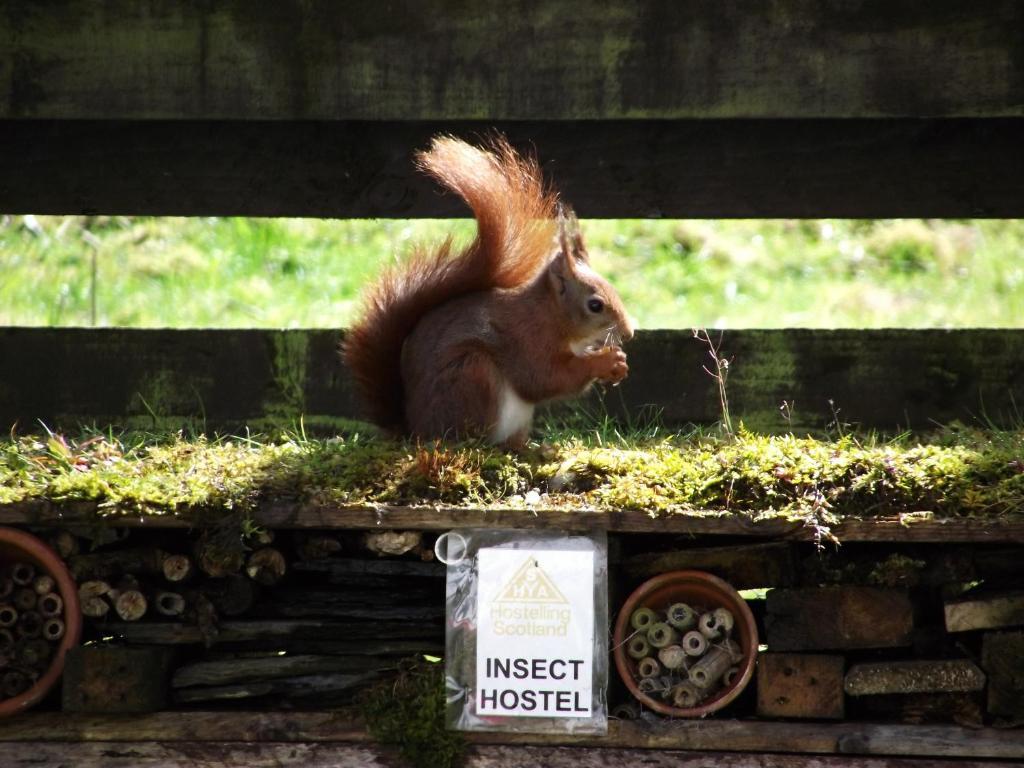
x,y
570,240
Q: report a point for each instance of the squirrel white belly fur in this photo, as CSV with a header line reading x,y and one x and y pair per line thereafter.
x,y
466,345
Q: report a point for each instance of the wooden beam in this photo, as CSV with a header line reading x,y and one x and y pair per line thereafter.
x,y
228,380
709,735
273,755
293,515
529,60
618,168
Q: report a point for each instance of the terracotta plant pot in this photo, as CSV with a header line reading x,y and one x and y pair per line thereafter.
x,y
694,588
19,546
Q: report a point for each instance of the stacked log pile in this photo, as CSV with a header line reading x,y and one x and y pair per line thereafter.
x,y
298,620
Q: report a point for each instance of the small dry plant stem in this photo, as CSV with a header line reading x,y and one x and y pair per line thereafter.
x,y
720,373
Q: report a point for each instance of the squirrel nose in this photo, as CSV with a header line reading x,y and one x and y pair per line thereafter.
x,y
626,329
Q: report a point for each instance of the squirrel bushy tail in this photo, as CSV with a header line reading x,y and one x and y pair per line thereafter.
x,y
515,216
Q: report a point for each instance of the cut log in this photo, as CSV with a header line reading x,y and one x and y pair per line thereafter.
x,y
169,603
231,596
115,679
177,568
116,563
93,588
902,677
94,607
131,605
1002,658
393,543
746,567
65,544
1004,609
245,670
837,618
217,560
800,685
312,546
266,566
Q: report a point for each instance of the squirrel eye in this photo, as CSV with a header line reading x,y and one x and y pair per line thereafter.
x,y
595,305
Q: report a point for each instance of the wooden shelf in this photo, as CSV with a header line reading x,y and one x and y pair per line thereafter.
x,y
911,528
325,727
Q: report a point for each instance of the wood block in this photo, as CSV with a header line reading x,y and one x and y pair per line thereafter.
x,y
800,685
1002,658
947,676
115,680
1005,609
835,618
920,709
746,567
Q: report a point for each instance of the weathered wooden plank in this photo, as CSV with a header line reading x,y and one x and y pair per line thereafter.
x,y
550,59
985,611
800,685
882,379
244,670
623,168
288,514
275,755
703,736
323,689
917,676
833,618
744,567
274,633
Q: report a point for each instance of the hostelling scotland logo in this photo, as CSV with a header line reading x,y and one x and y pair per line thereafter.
x,y
531,604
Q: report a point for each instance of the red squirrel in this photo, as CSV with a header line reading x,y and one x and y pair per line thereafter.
x,y
466,345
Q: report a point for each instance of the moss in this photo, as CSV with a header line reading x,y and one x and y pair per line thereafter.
x,y
409,712
821,481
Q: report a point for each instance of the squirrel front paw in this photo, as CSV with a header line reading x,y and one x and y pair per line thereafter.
x,y
609,364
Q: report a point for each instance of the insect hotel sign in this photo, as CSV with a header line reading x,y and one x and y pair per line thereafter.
x,y
535,636
539,661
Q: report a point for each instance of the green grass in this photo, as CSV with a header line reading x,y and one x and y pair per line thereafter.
x,y
233,272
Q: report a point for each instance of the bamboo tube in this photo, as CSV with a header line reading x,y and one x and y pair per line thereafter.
x,y
25,599
23,573
50,605
686,695
34,653
43,584
8,615
642,619
709,626
627,710
6,641
649,685
725,619
53,629
733,649
710,668
694,643
169,604
30,624
6,586
730,676
672,656
638,647
681,616
131,605
648,667
660,634
177,568
13,683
